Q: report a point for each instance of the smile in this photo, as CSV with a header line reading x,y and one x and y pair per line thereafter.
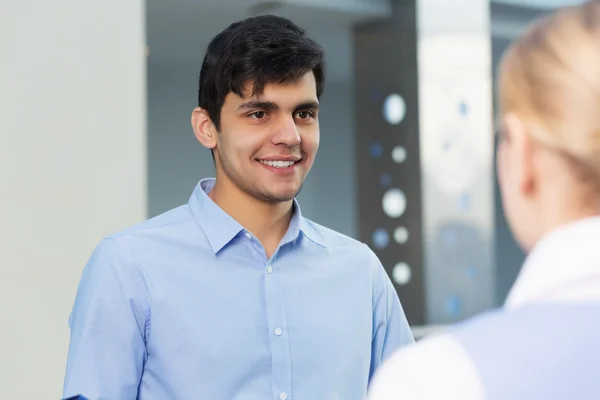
x,y
278,163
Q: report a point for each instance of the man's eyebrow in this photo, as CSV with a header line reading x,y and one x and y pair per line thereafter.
x,y
308,105
264,105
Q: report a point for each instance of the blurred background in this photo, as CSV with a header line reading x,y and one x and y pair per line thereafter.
x,y
95,103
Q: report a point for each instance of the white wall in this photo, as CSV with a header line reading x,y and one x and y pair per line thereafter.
x,y
72,168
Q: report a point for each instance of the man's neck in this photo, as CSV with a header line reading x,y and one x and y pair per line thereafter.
x,y
267,221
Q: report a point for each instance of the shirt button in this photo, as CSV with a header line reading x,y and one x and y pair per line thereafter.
x,y
278,331
248,235
283,396
269,270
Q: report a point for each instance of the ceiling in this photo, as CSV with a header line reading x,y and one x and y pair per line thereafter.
x,y
178,31
542,4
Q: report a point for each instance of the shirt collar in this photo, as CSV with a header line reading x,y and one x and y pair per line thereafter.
x,y
558,263
220,228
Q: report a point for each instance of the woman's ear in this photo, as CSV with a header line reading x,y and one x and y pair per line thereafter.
x,y
204,129
521,147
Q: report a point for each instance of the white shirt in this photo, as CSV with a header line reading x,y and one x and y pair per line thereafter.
x,y
439,368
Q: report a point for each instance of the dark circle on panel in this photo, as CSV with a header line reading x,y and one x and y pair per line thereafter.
x,y
386,179
376,150
376,95
380,238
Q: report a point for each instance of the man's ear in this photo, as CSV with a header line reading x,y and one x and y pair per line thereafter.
x,y
204,129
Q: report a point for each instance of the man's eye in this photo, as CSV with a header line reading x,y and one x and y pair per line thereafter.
x,y
304,114
258,115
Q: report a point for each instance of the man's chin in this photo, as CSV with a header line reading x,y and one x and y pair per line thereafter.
x,y
277,197
280,196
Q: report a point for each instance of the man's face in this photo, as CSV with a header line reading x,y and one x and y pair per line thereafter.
x,y
267,143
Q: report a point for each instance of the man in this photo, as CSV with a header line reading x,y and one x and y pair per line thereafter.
x,y
236,295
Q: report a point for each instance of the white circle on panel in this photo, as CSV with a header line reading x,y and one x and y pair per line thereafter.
x,y
394,109
394,203
399,154
455,151
401,234
401,273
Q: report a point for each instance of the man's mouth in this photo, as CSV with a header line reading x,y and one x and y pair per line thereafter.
x,y
279,163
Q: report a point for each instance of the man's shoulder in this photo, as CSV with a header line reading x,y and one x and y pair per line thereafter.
x,y
160,225
336,239
134,250
344,246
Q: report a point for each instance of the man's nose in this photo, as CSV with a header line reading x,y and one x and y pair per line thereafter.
x,y
287,133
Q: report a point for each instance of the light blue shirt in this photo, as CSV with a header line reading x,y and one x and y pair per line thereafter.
x,y
187,306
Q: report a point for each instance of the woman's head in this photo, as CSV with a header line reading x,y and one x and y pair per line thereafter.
x,y
549,102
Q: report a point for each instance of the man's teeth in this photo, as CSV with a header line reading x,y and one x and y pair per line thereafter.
x,y
278,163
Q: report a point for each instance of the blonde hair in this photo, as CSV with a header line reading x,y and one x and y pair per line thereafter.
x,y
550,78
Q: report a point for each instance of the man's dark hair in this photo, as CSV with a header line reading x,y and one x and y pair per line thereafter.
x,y
264,49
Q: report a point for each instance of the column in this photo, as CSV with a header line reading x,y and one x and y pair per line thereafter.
x,y
425,154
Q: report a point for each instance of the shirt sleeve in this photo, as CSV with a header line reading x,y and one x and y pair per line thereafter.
x,y
109,323
432,369
390,326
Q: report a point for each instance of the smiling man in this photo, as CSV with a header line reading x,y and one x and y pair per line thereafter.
x,y
236,295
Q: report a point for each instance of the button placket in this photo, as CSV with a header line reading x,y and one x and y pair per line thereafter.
x,y
279,340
